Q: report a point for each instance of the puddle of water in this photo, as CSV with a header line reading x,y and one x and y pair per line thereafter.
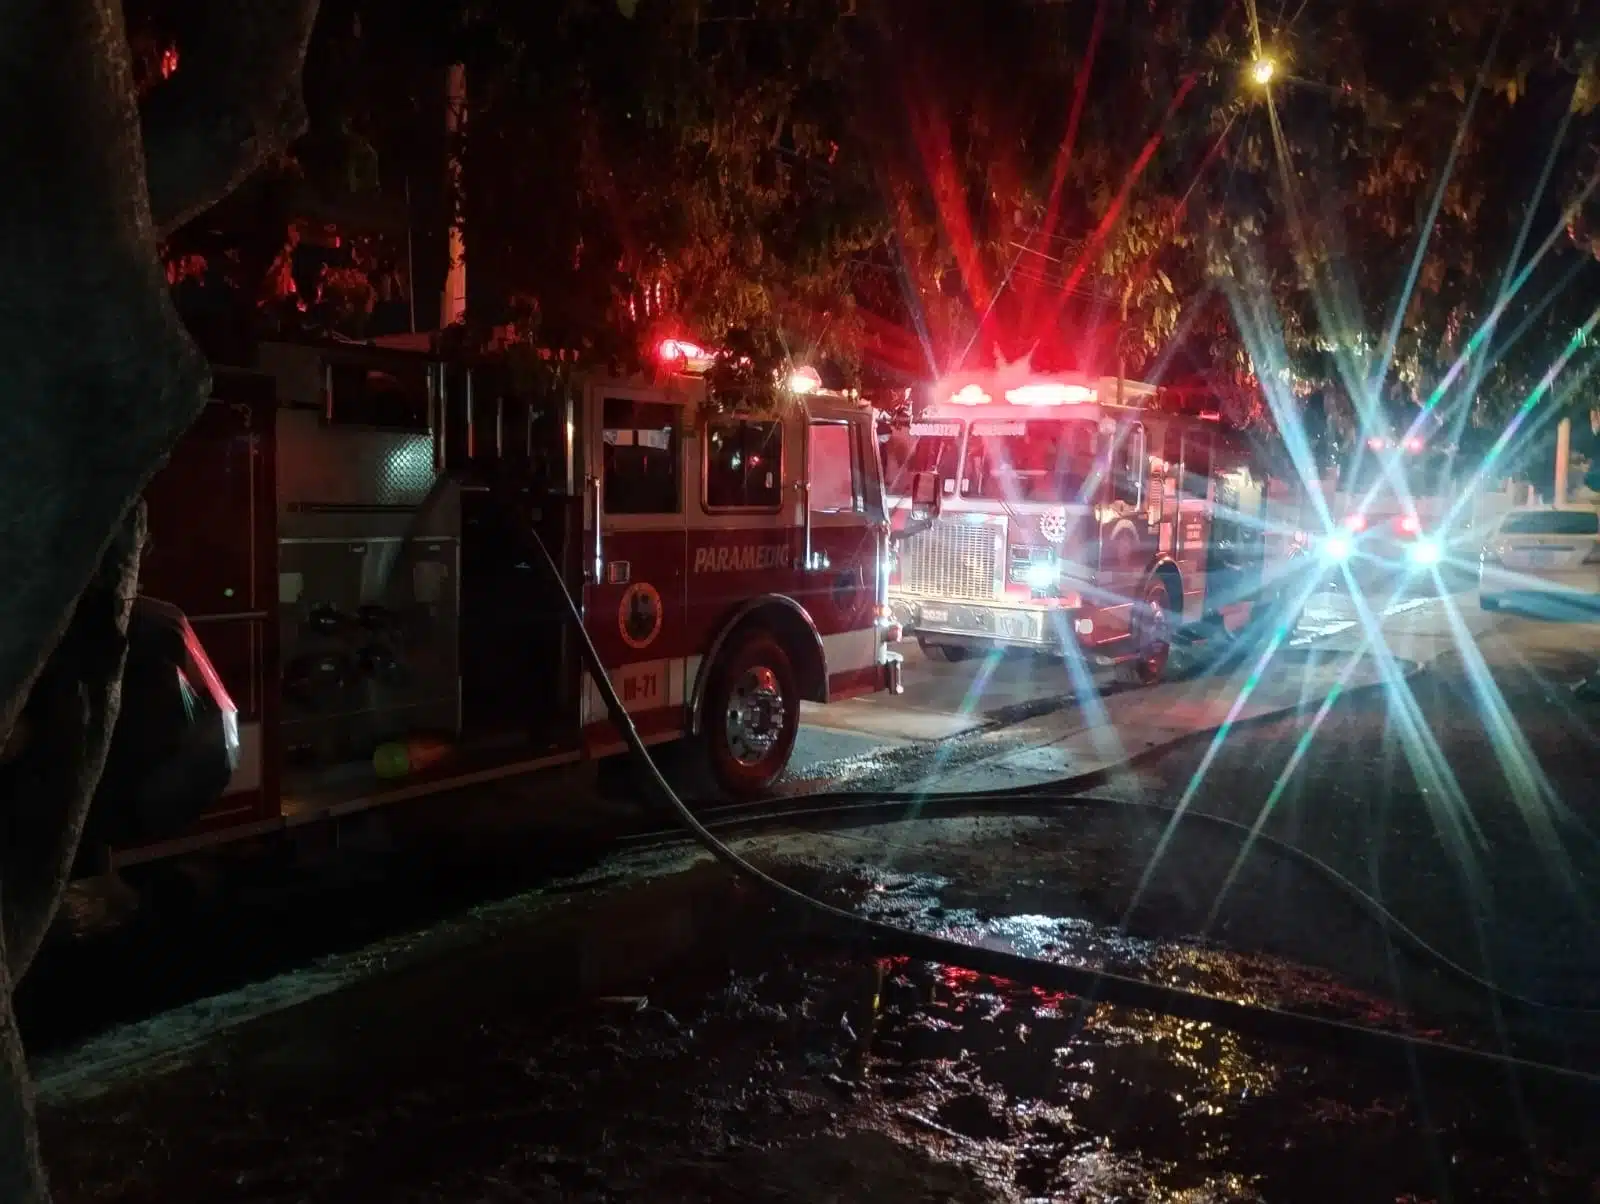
x,y
1126,1105
1132,1106
595,1068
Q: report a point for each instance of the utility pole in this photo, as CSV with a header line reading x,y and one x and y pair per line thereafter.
x,y
453,304
1563,455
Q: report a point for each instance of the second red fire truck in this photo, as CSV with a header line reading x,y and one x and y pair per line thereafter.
x,y
1084,516
347,530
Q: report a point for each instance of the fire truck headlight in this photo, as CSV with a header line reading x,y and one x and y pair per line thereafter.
x,y
1426,552
1338,546
1041,576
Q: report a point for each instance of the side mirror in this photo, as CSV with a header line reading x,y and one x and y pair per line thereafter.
x,y
925,496
925,503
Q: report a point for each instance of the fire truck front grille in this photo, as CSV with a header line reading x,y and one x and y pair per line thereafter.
x,y
952,559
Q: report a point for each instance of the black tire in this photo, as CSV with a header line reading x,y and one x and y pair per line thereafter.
x,y
756,676
1271,612
1150,627
951,653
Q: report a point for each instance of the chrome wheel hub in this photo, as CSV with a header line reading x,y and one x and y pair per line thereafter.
x,y
755,717
1152,636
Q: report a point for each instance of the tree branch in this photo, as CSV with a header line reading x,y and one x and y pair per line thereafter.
x,y
234,103
72,711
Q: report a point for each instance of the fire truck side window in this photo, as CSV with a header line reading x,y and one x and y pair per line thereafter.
x,y
1196,463
641,456
1131,466
744,464
833,469
392,398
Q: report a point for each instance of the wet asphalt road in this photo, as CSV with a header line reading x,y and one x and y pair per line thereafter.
x,y
674,1041
770,1048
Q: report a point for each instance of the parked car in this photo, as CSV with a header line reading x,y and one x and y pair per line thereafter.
x,y
1543,552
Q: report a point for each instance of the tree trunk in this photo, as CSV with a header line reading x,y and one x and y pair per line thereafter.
x,y
97,377
48,787
98,380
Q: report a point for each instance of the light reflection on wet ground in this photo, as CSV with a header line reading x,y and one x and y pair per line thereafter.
x,y
1128,1105
779,1071
1132,1106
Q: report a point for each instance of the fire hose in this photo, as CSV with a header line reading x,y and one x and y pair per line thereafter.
x,y
1090,987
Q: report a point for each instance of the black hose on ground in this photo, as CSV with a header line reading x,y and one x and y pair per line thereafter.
x,y
1050,800
880,939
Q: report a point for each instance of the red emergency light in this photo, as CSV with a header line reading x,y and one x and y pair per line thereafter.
x,y
1050,393
687,356
805,380
679,349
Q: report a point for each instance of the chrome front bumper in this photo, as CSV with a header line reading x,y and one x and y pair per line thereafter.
x,y
1036,627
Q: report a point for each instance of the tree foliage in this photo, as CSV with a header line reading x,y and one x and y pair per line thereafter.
x,y
1092,182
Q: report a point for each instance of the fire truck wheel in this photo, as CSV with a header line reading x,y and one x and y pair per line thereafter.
x,y
954,653
752,715
1151,629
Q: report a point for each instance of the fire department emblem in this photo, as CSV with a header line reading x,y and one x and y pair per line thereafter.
x,y
639,616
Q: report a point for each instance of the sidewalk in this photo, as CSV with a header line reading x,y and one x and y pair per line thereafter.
x,y
1107,731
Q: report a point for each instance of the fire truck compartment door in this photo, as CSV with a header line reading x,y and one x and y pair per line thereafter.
x,y
846,529
635,543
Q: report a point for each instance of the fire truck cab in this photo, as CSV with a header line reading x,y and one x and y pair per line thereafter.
x,y
1085,518
348,529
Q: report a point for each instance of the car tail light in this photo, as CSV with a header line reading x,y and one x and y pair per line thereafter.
x,y
1409,524
1355,522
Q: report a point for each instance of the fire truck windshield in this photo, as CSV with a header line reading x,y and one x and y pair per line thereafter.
x,y
1035,461
919,447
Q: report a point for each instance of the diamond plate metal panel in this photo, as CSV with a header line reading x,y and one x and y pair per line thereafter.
x,y
350,482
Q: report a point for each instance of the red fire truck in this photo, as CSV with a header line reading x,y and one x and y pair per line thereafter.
x,y
346,529
1082,516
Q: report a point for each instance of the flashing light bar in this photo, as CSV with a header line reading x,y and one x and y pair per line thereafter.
x,y
805,379
1043,393
970,395
1050,393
